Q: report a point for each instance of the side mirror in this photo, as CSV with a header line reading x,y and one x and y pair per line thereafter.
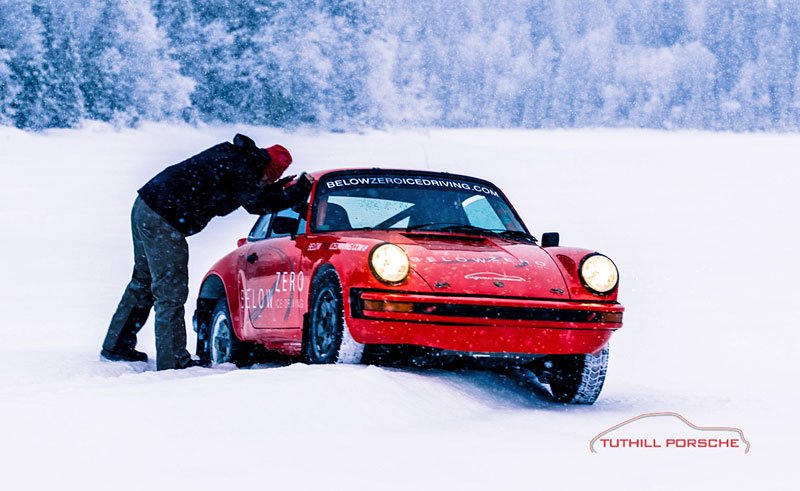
x,y
550,239
285,225
241,242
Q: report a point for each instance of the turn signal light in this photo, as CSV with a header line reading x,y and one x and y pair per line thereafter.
x,y
383,306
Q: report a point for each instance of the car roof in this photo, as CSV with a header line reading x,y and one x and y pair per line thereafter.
x,y
446,175
367,170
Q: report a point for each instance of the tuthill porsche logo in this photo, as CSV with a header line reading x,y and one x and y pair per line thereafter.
x,y
668,431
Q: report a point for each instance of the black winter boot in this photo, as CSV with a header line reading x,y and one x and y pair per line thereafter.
x,y
125,354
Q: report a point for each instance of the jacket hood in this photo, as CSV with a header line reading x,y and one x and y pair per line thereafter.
x,y
244,143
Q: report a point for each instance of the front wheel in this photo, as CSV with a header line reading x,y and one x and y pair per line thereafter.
x,y
577,379
327,338
223,345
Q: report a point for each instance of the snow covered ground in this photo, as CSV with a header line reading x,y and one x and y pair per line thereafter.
x,y
703,227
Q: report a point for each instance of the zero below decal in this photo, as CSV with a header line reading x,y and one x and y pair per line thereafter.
x,y
288,285
256,300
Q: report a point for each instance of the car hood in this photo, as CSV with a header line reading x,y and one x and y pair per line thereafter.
x,y
483,266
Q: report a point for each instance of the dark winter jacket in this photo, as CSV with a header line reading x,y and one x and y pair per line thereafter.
x,y
216,182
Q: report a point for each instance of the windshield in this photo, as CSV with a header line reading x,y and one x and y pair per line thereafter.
x,y
410,202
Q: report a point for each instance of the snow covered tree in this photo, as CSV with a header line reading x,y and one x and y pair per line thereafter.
x,y
310,65
725,64
127,72
63,101
24,44
9,88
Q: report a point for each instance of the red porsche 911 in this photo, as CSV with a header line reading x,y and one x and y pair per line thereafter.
x,y
379,259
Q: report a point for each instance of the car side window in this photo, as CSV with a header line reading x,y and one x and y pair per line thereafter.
x,y
290,213
259,231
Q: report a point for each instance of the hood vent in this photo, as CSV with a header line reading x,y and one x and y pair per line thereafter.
x,y
447,241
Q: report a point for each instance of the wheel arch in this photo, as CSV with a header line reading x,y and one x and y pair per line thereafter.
x,y
213,289
316,269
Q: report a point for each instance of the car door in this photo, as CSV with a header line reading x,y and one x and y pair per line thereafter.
x,y
275,285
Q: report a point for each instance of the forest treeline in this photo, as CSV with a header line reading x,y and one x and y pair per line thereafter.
x,y
348,64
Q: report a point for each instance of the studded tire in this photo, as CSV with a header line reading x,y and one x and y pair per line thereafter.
x,y
224,346
578,379
326,338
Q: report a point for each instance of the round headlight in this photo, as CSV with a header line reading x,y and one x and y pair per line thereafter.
x,y
389,263
599,274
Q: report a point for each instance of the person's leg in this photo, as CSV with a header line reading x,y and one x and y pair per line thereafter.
x,y
168,261
136,302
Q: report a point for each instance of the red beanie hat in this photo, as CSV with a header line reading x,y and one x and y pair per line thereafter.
x,y
280,160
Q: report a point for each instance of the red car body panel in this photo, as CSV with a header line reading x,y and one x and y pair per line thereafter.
x,y
464,293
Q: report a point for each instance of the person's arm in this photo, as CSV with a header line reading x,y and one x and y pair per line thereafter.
x,y
275,197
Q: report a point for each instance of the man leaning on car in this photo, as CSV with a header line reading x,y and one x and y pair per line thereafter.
x,y
177,203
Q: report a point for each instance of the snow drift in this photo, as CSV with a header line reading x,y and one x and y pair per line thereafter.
x,y
701,226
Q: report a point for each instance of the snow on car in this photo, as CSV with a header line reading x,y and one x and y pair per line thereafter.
x,y
379,260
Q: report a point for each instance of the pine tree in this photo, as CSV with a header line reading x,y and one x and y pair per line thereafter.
x,y
24,43
128,74
9,88
63,101
101,77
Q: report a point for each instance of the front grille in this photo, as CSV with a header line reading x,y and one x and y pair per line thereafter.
x,y
400,305
516,313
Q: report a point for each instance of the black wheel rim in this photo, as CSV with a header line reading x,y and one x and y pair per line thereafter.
x,y
324,322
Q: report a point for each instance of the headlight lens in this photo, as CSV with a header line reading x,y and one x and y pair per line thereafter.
x,y
599,273
389,263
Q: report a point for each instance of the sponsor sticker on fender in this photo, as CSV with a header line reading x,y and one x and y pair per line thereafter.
x,y
338,246
347,246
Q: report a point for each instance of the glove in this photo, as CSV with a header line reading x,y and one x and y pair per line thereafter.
x,y
305,181
283,181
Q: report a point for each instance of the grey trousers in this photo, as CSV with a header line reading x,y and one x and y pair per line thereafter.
x,y
160,279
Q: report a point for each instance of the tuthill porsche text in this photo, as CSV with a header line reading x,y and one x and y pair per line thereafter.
x,y
670,443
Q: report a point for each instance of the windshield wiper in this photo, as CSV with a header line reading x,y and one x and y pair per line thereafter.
x,y
471,229
453,227
433,226
517,234
506,234
467,229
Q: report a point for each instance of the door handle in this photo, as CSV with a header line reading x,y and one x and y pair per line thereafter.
x,y
253,257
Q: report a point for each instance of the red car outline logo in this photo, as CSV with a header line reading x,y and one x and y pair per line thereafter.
x,y
489,276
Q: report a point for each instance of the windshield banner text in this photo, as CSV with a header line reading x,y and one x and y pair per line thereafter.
x,y
409,181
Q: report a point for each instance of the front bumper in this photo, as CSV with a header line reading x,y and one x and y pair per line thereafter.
x,y
482,324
